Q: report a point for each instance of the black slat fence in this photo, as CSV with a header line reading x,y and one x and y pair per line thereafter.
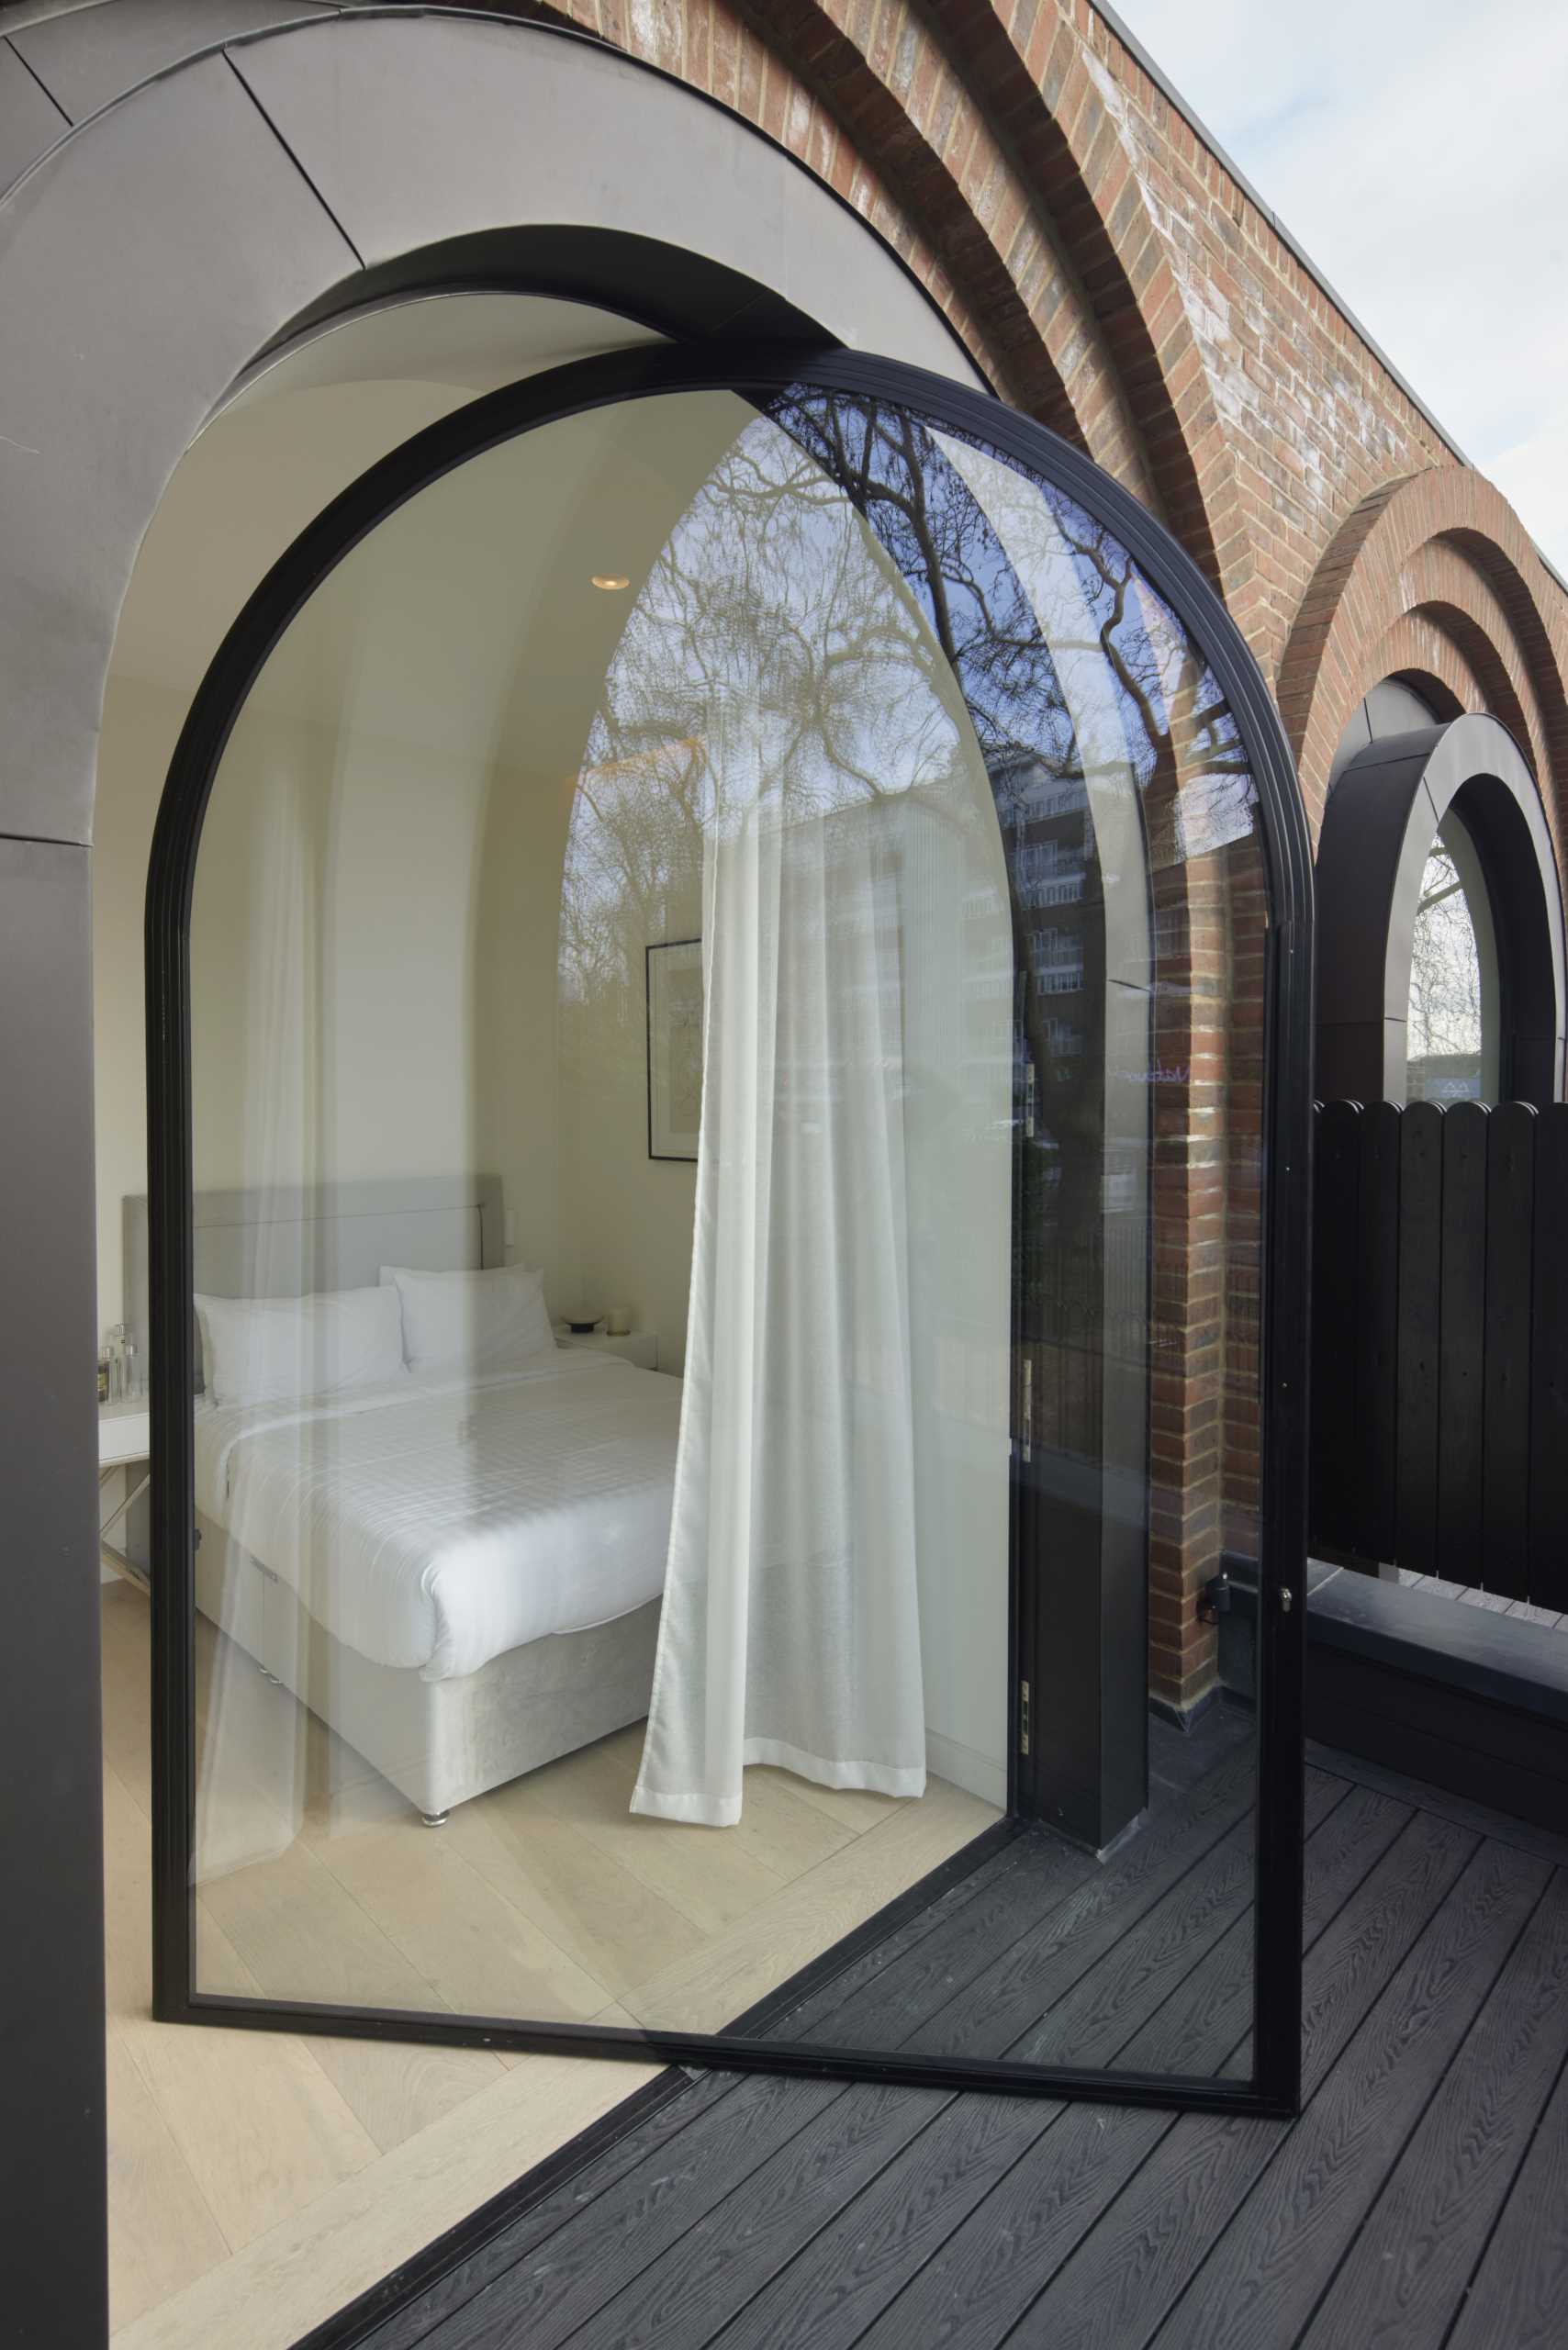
x,y
1440,1357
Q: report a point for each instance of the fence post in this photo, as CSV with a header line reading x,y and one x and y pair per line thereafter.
x,y
1335,1494
1549,1366
1462,1342
1510,1214
1421,1294
1377,1331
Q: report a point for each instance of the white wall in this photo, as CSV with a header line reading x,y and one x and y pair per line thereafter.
x,y
141,722
375,937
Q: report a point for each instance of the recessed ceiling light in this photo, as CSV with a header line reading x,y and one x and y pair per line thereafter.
x,y
610,579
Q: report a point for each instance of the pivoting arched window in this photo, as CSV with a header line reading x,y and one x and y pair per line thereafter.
x,y
728,951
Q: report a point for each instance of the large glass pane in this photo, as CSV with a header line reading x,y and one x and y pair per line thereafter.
x,y
727,981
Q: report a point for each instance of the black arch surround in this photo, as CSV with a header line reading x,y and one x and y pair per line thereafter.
x,y
777,380
1381,818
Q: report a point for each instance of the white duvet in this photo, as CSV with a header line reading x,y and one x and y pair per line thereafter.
x,y
434,1524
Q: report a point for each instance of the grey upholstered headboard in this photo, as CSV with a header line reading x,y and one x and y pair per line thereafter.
x,y
285,1243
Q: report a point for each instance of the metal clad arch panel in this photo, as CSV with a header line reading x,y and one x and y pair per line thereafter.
x,y
87,58
149,259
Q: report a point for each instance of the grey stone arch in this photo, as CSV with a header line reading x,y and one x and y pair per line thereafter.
x,y
1381,818
156,241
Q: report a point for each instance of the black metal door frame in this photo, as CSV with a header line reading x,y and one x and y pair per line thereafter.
x,y
761,373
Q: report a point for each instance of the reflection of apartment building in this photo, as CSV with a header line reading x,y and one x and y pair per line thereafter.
x,y
1057,961
1050,873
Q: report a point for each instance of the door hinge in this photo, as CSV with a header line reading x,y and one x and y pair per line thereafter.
x,y
1026,1432
1023,1718
1213,1600
1029,1100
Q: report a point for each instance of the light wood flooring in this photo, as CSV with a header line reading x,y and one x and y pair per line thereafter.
x,y
258,2181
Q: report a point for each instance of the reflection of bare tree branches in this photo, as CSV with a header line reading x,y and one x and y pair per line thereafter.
x,y
1445,966
826,620
807,624
773,668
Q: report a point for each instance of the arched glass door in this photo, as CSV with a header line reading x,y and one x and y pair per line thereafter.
x,y
729,956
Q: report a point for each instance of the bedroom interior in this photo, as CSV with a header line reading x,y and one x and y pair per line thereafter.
x,y
615,900
420,953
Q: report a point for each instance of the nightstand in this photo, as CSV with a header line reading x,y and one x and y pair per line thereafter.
x,y
640,1347
124,1441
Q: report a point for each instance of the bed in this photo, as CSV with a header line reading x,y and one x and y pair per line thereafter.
x,y
459,1576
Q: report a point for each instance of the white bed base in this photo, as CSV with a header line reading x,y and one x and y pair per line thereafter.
x,y
439,1742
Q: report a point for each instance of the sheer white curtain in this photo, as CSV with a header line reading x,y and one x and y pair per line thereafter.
x,y
257,1092
790,1630
851,1230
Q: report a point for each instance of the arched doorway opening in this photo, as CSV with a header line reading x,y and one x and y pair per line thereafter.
x,y
1421,823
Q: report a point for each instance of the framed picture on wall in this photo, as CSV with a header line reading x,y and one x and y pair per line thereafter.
x,y
674,1048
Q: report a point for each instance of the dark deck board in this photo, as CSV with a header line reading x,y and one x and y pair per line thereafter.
x,y
1521,2290
610,2239
1268,2272
412,2322
1209,2018
995,2008
1044,1912
994,2265
738,2246
1143,2244
1407,2273
858,2262
1091,2023
1420,2203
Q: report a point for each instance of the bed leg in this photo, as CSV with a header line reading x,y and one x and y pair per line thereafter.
x,y
435,1818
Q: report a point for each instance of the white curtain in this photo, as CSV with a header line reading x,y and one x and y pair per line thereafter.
x,y
842,1464
790,1627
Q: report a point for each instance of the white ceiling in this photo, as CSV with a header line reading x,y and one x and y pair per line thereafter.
x,y
305,426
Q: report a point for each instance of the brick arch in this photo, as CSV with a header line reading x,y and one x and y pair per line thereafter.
x,y
1432,570
1065,121
984,146
1498,686
1420,656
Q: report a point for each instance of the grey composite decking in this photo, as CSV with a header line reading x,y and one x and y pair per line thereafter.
x,y
1420,2201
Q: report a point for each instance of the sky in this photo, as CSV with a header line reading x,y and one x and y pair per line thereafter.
x,y
1417,152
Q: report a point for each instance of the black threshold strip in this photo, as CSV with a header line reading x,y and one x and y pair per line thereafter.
x,y
765,2117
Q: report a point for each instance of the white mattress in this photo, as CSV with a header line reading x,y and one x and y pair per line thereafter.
x,y
437,1524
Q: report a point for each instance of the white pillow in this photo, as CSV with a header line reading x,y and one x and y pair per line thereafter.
x,y
491,1321
271,1349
